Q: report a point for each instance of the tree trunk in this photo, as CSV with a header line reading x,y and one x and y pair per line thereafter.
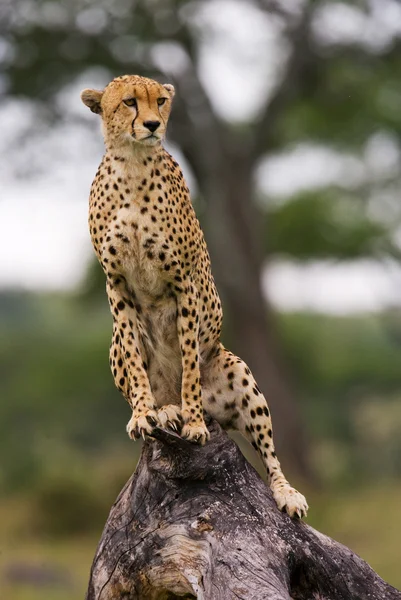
x,y
223,161
233,234
198,522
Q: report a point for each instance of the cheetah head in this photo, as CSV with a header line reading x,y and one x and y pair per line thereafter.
x,y
134,110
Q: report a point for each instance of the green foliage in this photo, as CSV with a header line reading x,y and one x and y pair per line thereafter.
x,y
348,374
334,354
57,387
325,224
65,506
49,54
347,95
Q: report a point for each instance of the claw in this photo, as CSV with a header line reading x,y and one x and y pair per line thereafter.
x,y
169,417
196,433
290,501
133,433
141,425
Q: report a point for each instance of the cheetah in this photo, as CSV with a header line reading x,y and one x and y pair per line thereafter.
x,y
166,355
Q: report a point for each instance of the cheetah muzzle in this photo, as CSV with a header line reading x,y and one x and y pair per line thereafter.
x,y
166,311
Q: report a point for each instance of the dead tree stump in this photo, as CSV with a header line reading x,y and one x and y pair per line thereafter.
x,y
199,522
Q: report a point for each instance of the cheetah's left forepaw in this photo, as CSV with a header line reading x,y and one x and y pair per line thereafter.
x,y
290,500
142,424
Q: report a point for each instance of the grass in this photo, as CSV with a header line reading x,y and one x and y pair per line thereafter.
x,y
70,560
366,520
61,567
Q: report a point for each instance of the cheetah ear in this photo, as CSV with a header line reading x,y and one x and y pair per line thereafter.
x,y
92,98
170,89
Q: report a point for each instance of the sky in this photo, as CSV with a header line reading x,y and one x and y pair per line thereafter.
x,y
46,177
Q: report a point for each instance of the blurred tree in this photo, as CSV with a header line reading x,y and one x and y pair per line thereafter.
x,y
331,90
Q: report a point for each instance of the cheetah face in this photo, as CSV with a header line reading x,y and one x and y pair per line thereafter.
x,y
134,110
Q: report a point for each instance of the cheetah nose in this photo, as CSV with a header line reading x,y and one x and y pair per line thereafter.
x,y
151,125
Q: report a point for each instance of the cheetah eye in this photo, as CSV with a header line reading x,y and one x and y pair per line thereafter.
x,y
130,101
161,101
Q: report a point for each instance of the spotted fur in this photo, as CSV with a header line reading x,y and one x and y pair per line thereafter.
x,y
166,355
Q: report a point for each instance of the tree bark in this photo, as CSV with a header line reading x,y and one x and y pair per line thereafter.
x,y
198,522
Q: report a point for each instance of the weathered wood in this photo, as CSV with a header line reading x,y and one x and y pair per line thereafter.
x,y
199,522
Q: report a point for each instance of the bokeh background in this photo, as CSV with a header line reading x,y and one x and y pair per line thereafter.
x,y
287,121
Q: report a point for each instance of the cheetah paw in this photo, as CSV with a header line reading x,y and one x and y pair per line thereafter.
x,y
169,417
195,433
290,500
142,425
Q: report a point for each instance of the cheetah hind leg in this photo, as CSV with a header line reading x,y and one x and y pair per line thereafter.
x,y
289,500
236,402
169,417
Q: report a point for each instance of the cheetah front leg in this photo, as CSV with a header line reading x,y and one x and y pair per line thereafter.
x,y
194,427
128,368
117,365
234,399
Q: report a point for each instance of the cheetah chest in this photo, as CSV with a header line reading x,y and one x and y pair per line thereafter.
x,y
140,254
143,254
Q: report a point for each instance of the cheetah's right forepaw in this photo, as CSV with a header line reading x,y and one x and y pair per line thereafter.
x,y
195,433
289,500
142,425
